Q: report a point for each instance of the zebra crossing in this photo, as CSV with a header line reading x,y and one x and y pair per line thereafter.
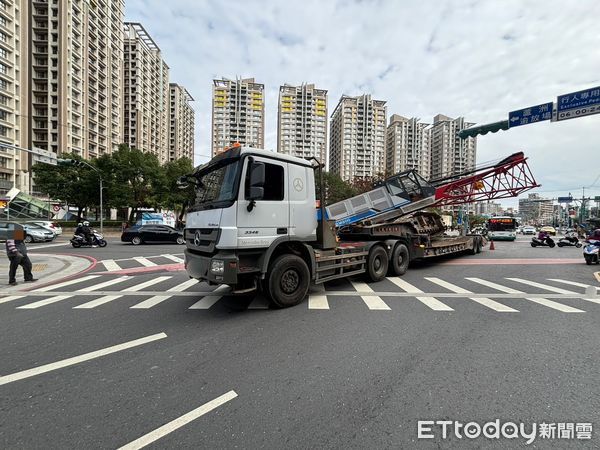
x,y
136,262
150,291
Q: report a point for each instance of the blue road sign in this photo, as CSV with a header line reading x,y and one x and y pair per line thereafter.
x,y
565,199
529,115
578,104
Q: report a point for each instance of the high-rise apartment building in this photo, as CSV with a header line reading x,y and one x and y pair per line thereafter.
x,y
357,140
302,121
181,123
146,112
75,65
449,153
408,146
536,210
238,113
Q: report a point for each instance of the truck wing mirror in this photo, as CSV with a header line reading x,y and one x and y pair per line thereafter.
x,y
257,183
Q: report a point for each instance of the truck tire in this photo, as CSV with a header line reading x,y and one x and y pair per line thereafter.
x,y
288,281
400,259
377,264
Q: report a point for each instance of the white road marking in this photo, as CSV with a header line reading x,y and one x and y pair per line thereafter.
x,y
48,301
543,286
209,300
99,286
173,258
572,283
35,247
540,301
110,265
144,261
496,306
10,298
259,302
317,297
66,283
110,298
78,359
179,422
373,302
153,301
430,302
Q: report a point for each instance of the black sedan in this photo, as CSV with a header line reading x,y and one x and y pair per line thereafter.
x,y
152,233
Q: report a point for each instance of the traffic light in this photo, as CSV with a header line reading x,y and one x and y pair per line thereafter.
x,y
70,162
483,129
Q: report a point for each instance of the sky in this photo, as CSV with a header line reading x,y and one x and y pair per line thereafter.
x,y
477,59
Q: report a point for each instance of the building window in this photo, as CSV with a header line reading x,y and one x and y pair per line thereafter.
x,y
3,131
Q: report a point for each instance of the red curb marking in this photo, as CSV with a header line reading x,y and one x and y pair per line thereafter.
x,y
168,267
92,266
513,261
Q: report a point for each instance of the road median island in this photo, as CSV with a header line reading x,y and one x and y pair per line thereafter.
x,y
48,269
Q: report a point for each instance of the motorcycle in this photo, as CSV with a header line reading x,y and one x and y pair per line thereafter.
x,y
547,242
97,239
591,252
570,240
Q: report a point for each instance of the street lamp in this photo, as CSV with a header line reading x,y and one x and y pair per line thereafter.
x,y
81,163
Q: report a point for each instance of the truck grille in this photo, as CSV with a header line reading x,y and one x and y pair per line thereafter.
x,y
202,239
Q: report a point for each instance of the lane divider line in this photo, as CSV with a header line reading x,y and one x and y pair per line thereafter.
x,y
79,359
179,422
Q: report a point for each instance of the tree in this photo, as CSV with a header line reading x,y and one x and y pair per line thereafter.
x,y
170,195
76,186
336,189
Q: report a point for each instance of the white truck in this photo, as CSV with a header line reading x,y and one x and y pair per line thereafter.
x,y
255,224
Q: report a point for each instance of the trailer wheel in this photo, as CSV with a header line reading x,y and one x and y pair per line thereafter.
x,y
377,264
400,259
288,281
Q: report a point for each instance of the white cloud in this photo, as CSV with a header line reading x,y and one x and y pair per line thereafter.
x,y
477,59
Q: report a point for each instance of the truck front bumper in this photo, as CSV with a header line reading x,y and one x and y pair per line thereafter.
x,y
208,268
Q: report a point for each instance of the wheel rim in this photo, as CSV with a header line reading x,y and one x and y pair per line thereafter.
x,y
290,281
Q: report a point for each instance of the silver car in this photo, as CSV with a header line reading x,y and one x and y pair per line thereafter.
x,y
48,225
36,233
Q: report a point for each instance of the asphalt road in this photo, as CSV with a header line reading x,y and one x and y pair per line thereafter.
x,y
348,368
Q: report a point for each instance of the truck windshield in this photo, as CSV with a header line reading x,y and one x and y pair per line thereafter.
x,y
217,187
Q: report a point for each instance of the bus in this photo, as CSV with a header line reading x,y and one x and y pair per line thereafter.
x,y
502,228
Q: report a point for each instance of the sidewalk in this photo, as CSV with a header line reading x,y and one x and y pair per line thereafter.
x,y
46,268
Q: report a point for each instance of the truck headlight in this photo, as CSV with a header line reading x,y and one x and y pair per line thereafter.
x,y
217,266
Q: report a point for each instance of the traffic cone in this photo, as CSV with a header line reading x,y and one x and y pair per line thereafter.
x,y
492,244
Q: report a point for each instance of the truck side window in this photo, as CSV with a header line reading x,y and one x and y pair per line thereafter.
x,y
274,187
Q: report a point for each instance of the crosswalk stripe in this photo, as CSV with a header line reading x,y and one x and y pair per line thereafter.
x,y
48,301
110,264
540,301
144,261
430,302
543,286
97,287
488,302
318,302
10,298
173,258
373,302
66,283
209,300
259,302
153,301
144,285
110,298
572,283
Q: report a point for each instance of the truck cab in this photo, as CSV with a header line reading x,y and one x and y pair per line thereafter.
x,y
249,202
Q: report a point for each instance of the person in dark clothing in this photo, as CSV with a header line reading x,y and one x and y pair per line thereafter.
x,y
87,232
17,254
79,229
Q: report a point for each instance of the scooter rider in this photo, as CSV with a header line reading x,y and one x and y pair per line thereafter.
x,y
542,236
79,230
87,232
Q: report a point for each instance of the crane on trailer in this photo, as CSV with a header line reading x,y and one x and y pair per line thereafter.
x,y
253,224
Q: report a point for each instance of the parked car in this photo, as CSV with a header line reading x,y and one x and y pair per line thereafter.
x,y
141,234
36,233
550,230
528,229
51,226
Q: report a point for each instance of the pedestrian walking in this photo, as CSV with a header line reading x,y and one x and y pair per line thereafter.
x,y
16,250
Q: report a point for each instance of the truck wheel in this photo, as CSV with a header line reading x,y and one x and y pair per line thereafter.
x,y
377,264
400,259
288,281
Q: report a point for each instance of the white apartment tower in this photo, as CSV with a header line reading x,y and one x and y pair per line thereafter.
x,y
357,141
302,121
450,154
407,146
238,113
76,72
181,123
146,112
